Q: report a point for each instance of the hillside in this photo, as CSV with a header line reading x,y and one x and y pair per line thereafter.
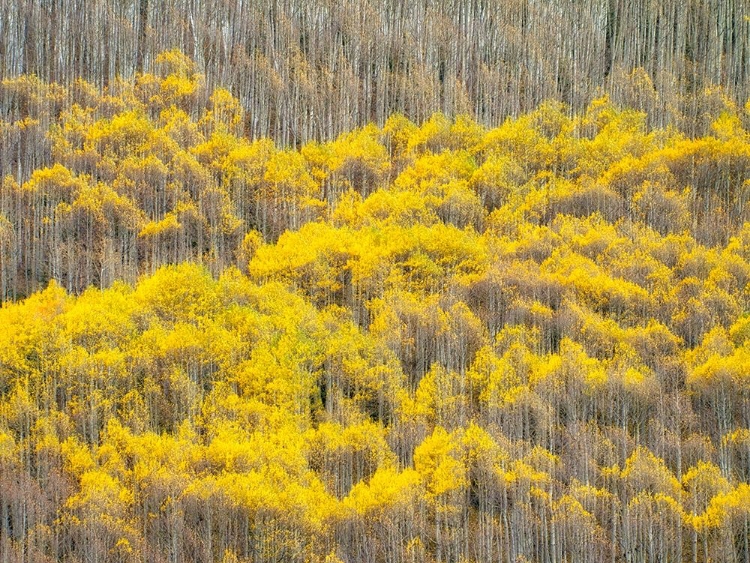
x,y
433,341
314,69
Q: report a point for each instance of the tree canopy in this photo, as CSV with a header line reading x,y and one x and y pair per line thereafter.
x,y
419,341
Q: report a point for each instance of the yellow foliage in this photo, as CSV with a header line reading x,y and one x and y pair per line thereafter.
x,y
405,338
78,457
644,471
7,448
387,489
437,462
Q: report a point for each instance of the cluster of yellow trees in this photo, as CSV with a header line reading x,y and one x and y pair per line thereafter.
x,y
313,69
422,343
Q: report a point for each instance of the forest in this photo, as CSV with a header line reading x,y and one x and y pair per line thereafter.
x,y
378,282
315,69
415,342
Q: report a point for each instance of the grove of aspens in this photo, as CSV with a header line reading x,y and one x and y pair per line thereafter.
x,y
375,281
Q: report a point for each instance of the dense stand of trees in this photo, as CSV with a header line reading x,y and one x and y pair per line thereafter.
x,y
108,185
313,69
431,342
